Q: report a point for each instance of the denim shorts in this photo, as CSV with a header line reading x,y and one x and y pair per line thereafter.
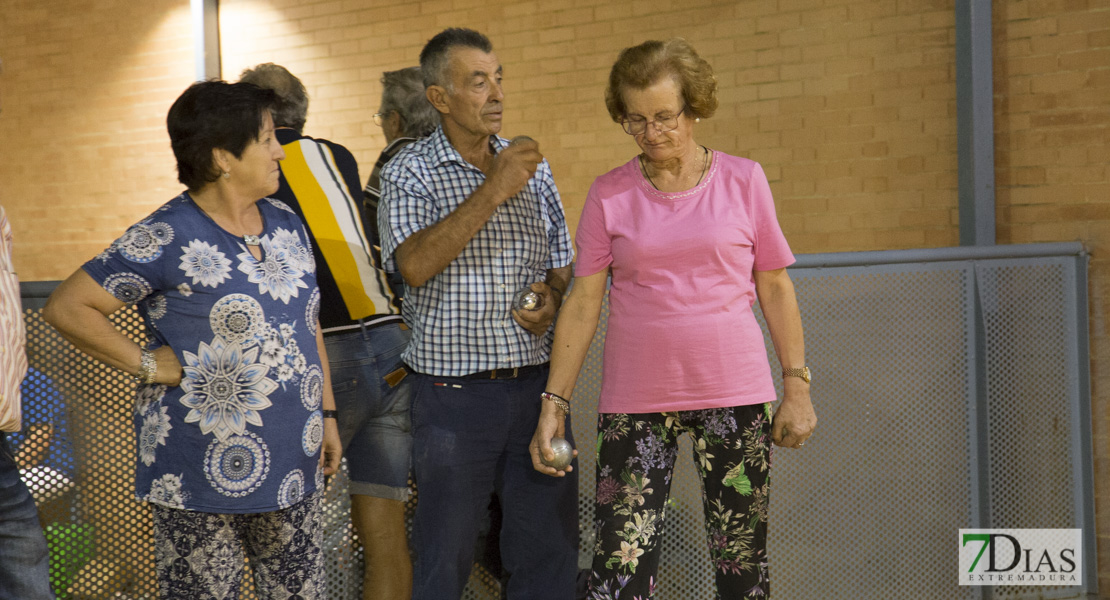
x,y
373,399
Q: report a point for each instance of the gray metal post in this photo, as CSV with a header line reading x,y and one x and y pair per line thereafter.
x,y
975,122
1082,443
206,34
979,413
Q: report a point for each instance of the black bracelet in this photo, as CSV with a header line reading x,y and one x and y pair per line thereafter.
x,y
557,396
558,401
330,414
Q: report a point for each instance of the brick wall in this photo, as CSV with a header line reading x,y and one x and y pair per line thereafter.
x,y
1052,155
849,104
86,88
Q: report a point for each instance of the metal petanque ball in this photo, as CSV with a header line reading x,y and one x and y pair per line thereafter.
x,y
563,454
526,299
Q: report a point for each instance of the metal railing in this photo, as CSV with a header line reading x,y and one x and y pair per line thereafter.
x,y
952,390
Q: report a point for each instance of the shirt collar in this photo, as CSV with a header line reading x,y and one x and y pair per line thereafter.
x,y
287,135
396,145
443,152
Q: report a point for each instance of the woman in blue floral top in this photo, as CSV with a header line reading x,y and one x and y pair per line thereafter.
x,y
230,422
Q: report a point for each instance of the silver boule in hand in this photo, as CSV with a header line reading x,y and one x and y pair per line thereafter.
x,y
563,454
520,138
526,299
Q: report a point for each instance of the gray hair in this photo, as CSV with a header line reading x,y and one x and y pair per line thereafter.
x,y
403,92
292,107
434,56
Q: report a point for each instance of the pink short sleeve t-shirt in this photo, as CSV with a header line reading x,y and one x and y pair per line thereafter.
x,y
681,332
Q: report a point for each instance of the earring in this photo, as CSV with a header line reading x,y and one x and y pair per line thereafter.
x,y
697,119
226,175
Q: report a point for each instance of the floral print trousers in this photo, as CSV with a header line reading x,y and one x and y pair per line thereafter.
x,y
200,556
635,462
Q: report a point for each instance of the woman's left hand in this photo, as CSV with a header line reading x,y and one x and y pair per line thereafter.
x,y
794,421
169,367
552,424
332,449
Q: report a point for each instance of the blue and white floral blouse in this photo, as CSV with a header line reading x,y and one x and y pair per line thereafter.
x,y
243,431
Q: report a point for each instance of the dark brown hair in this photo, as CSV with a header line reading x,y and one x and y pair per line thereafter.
x,y
214,114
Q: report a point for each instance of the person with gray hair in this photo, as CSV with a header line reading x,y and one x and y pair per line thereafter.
x,y
292,112
405,115
405,111
363,333
470,220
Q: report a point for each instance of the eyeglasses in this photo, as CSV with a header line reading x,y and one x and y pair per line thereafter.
x,y
380,116
638,125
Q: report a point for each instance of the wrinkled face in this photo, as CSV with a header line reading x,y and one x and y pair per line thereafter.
x,y
392,125
656,103
256,173
475,95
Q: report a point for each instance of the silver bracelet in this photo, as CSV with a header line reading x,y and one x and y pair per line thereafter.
x,y
148,367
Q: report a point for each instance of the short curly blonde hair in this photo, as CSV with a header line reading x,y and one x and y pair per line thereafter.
x,y
641,66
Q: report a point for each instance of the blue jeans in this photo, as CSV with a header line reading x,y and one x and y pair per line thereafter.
x,y
373,401
470,439
24,559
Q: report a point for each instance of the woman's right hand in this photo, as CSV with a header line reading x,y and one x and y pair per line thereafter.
x,y
552,423
169,367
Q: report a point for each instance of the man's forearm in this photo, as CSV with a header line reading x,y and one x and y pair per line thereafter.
x,y
558,279
427,252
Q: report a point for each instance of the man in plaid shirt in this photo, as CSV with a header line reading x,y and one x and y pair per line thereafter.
x,y
469,219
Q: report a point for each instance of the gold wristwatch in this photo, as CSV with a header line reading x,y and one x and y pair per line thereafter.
x,y
802,372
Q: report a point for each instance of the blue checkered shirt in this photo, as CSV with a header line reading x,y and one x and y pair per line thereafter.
x,y
461,319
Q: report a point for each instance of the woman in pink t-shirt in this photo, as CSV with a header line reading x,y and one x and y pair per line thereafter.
x,y
690,238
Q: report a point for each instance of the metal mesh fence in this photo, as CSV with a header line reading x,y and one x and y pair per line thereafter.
x,y
870,508
1031,449
99,535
